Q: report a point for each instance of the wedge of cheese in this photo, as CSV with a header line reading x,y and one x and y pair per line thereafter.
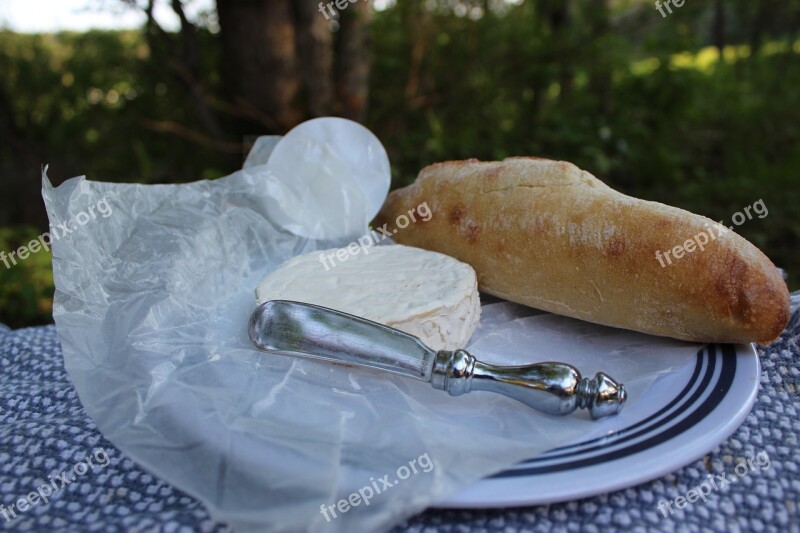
x,y
427,294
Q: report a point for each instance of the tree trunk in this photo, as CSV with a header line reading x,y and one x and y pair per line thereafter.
x,y
352,73
718,27
417,21
757,29
600,81
315,52
260,58
190,70
560,20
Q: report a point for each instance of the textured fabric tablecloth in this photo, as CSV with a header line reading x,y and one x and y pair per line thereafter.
x,y
45,432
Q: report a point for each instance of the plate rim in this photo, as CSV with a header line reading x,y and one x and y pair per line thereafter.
x,y
469,498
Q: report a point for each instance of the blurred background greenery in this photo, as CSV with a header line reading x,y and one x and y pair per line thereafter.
x,y
699,109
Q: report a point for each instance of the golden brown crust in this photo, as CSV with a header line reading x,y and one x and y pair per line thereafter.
x,y
547,234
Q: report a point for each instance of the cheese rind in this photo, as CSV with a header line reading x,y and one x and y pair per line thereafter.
x,y
427,294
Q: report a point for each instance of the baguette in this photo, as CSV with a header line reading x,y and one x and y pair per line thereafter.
x,y
552,236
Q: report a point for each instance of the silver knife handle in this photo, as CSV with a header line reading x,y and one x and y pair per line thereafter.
x,y
554,388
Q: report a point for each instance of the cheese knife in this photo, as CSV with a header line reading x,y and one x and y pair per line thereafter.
x,y
284,327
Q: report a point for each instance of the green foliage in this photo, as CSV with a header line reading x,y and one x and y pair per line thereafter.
x,y
642,102
652,120
87,102
26,288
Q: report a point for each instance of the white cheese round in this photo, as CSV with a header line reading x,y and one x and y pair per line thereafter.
x,y
427,294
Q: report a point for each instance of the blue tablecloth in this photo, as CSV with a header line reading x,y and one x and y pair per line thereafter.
x,y
44,432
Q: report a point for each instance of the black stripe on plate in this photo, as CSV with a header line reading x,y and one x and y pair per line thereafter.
x,y
614,437
720,390
709,373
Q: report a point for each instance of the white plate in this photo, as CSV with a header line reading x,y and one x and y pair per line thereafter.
x,y
690,411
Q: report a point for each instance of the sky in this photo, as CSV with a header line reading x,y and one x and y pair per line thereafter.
x,y
41,16
79,15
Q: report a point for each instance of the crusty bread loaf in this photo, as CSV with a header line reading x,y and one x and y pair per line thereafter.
x,y
549,235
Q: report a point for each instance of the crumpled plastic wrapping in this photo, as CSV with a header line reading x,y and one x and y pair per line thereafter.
x,y
152,304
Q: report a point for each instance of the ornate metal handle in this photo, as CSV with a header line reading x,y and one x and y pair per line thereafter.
x,y
554,388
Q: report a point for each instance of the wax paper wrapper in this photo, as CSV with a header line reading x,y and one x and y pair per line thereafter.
x,y
154,288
